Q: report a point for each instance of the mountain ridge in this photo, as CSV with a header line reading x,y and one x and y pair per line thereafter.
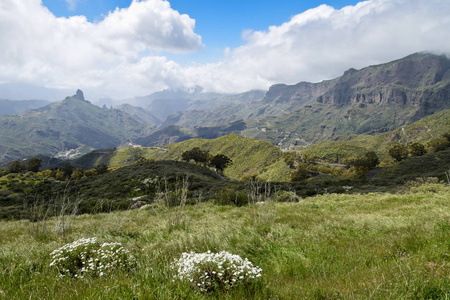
x,y
374,99
65,125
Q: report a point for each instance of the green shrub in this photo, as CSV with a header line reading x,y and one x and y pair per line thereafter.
x,y
398,151
215,271
231,196
438,144
89,257
423,185
286,196
416,149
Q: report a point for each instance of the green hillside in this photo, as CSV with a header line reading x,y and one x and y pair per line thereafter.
x,y
343,147
120,188
249,156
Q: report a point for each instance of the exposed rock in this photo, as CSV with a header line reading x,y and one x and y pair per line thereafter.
x,y
79,95
406,82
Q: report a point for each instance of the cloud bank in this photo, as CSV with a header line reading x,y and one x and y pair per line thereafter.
x,y
121,54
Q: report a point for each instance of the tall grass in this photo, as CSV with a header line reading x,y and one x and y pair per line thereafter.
x,y
372,246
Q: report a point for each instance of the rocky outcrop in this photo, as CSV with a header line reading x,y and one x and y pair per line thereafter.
x,y
411,81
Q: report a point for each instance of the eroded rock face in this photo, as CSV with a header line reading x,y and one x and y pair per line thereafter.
x,y
409,81
79,94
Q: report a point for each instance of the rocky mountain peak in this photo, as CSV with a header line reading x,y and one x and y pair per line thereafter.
x,y
79,94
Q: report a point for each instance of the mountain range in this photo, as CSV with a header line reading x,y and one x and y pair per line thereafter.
x,y
369,101
15,107
372,100
69,124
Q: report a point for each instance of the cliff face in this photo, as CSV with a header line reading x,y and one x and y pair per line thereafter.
x,y
372,100
411,81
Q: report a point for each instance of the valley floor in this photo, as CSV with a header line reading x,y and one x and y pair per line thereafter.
x,y
372,246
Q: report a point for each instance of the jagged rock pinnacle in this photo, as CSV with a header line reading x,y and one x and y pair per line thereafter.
x,y
79,95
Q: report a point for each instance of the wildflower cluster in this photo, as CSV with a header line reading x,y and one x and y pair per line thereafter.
x,y
90,257
211,271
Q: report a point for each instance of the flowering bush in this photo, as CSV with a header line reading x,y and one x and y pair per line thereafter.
x,y
90,257
210,271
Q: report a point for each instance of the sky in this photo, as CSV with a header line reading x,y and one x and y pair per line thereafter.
x,y
127,48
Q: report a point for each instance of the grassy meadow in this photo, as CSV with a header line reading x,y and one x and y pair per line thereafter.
x,y
331,246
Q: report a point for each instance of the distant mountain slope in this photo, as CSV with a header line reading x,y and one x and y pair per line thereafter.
x,y
174,134
195,108
217,110
65,125
15,107
249,156
344,147
140,114
409,81
372,100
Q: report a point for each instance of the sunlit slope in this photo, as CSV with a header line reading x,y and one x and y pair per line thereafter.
x,y
249,156
347,146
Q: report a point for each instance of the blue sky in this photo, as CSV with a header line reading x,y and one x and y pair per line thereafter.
x,y
225,46
220,23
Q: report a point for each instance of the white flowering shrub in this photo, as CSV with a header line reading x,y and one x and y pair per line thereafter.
x,y
215,271
90,257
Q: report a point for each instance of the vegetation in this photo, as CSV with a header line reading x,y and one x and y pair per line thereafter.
x,y
220,162
249,157
196,154
428,165
69,124
92,191
371,246
222,271
343,148
398,151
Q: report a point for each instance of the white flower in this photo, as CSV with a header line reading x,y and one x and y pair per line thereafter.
x,y
196,267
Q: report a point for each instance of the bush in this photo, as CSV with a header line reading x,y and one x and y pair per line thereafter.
x,y
286,196
215,271
231,196
438,144
417,149
424,185
89,257
398,151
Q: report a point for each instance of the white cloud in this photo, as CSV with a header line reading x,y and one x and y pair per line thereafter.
x,y
318,44
67,52
72,4
323,42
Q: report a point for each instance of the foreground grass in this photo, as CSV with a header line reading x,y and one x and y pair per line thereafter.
x,y
373,246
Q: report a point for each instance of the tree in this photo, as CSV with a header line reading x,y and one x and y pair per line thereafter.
x,y
67,169
17,166
438,144
220,162
302,172
101,169
78,174
416,149
368,161
90,173
186,156
447,136
398,151
291,158
196,154
60,175
372,159
34,164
